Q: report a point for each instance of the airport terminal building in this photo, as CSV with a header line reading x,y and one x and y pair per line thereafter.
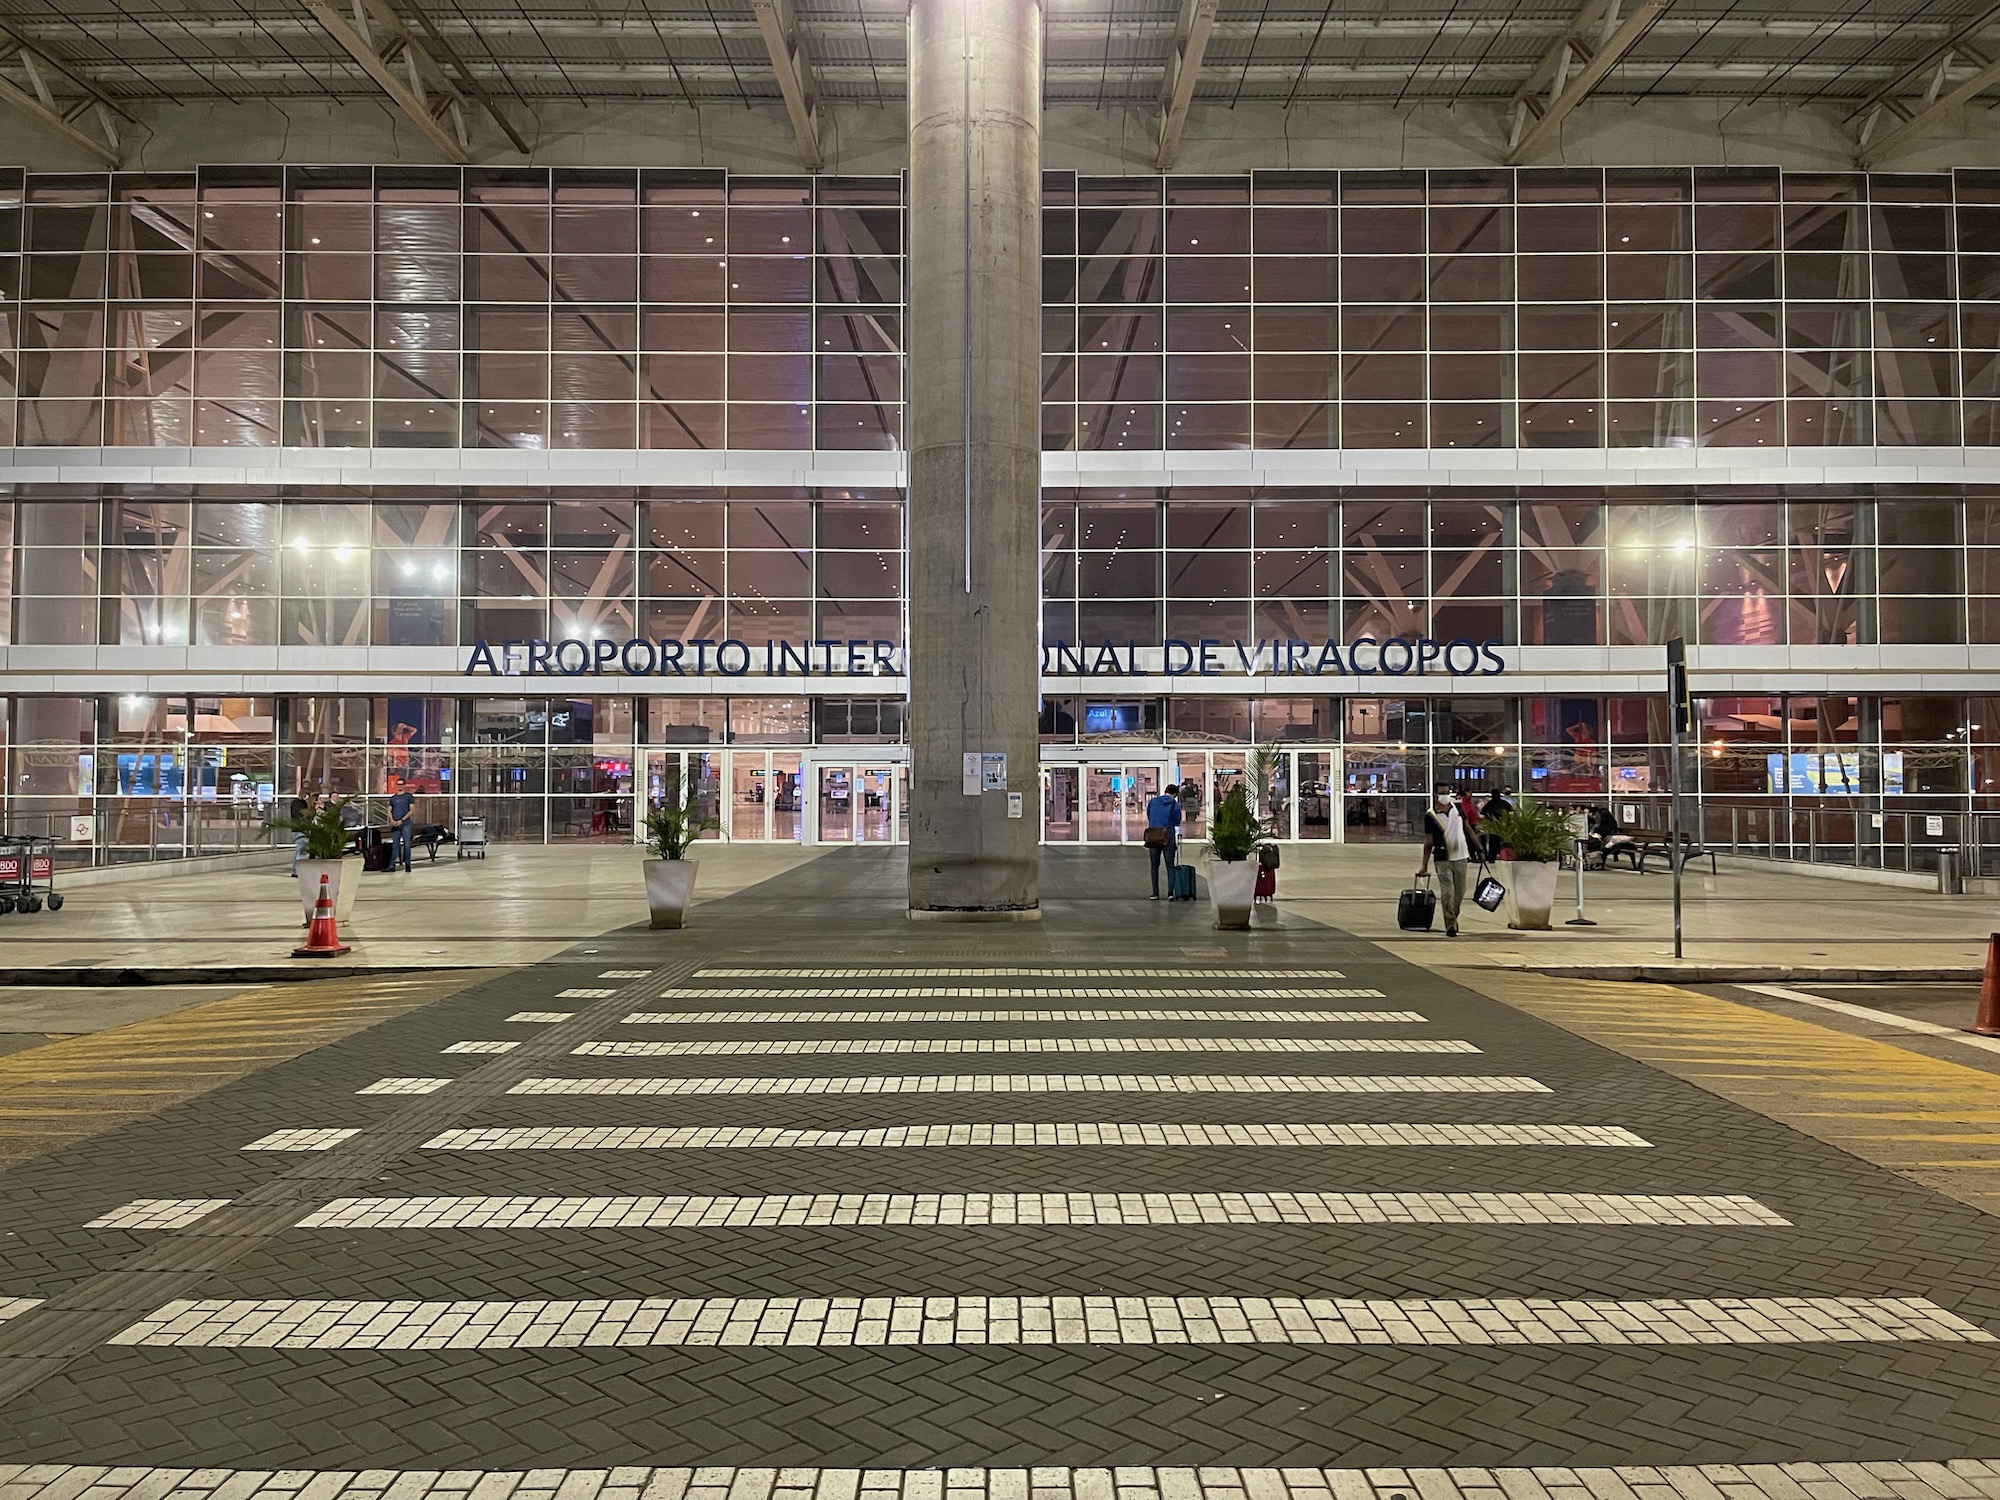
x,y
539,488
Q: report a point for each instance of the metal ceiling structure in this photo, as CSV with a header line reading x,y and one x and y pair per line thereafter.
x,y
456,67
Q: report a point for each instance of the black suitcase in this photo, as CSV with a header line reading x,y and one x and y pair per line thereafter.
x,y
1416,907
376,856
1180,883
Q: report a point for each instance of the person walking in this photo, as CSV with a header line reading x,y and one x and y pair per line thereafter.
x,y
402,824
1445,842
1163,826
1501,801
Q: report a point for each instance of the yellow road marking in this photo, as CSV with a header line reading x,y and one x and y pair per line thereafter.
x,y
82,1086
1797,1072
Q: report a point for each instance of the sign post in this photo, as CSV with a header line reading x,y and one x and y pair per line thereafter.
x,y
1683,724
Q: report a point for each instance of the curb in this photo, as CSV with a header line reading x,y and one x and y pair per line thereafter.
x,y
1752,973
111,978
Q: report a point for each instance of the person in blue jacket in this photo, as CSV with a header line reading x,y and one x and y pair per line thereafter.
x,y
1163,812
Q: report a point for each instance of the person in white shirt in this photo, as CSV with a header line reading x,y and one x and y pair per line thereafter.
x,y
1446,843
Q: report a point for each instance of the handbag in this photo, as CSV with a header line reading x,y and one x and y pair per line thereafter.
x,y
1489,892
1156,838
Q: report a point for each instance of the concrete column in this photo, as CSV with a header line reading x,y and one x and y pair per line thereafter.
x,y
974,340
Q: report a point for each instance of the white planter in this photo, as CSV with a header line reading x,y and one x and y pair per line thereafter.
x,y
1532,888
1231,885
669,888
344,891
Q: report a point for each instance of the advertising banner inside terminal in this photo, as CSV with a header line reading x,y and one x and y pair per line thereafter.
x,y
1364,656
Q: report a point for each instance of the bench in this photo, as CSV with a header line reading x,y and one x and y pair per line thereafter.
x,y
1651,842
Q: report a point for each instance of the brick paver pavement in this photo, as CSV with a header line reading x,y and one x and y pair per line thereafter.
x,y
1411,1274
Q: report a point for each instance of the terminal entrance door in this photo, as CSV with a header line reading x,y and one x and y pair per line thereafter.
x,y
1302,801
667,771
862,800
1099,801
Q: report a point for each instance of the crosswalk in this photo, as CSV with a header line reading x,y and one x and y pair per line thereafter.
x,y
643,1122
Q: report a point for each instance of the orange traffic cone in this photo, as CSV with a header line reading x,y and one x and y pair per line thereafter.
x,y
323,937
1987,1022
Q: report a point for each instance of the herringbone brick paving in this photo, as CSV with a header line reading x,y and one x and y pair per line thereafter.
x,y
1856,1231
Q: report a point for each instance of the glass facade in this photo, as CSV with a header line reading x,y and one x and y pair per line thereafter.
x,y
424,307
181,655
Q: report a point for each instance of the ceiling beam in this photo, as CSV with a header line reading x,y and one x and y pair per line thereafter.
x,y
778,24
61,103
377,39
1191,32
463,76
1571,69
1928,90
1083,25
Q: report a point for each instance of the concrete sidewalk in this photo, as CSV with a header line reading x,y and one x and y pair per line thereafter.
x,y
526,902
1752,920
519,905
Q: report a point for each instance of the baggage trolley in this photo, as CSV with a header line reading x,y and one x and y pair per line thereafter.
x,y
28,873
472,837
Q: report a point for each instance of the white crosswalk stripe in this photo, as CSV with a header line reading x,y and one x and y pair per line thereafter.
x,y
541,1017
157,1213
1916,1479
921,971
327,1323
1030,1083
1007,992
769,1137
960,1209
301,1140
980,1017
996,1046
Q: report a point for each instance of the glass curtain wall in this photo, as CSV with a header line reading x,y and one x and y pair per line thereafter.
x,y
1565,571
391,307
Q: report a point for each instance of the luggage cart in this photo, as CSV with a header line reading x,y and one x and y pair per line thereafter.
x,y
28,873
471,838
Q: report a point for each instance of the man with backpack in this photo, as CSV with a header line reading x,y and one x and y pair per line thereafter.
x,y
1163,823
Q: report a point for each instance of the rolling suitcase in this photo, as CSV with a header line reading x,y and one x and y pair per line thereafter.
x,y
1180,883
1417,907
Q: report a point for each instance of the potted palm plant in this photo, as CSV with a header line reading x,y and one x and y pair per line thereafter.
x,y
1537,836
326,835
671,830
1233,836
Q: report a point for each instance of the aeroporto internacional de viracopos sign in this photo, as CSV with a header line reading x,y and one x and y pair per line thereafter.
x,y
1363,656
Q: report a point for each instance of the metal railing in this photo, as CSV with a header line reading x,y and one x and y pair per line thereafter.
x,y
1889,840
139,832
